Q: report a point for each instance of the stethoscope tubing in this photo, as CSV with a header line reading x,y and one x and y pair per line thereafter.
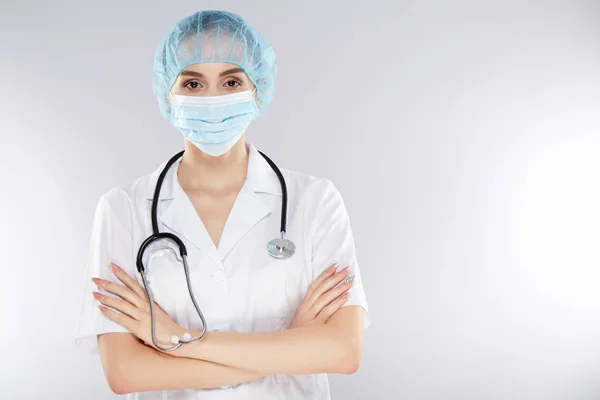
x,y
156,235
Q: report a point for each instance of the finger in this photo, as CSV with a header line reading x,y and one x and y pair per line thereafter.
x,y
331,308
330,296
119,305
121,319
328,284
320,279
120,290
310,296
128,281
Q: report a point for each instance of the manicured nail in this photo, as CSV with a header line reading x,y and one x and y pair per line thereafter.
x,y
97,281
102,309
332,268
97,295
115,268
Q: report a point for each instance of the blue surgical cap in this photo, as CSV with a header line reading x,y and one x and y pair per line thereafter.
x,y
217,36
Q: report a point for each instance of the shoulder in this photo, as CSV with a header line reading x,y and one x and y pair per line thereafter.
x,y
314,191
307,182
320,202
121,198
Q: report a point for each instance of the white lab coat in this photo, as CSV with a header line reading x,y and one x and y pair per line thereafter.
x,y
239,286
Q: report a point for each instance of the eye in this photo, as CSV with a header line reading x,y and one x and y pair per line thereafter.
x,y
232,83
192,85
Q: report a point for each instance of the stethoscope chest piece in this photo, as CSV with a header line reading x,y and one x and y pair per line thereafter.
x,y
281,248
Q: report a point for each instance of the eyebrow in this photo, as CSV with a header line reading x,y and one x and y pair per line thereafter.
x,y
199,75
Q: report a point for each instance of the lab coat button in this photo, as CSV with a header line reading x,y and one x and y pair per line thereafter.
x,y
220,275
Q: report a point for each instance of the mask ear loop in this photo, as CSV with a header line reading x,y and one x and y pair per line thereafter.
x,y
256,99
171,96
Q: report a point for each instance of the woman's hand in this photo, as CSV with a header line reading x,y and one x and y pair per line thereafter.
x,y
323,298
134,310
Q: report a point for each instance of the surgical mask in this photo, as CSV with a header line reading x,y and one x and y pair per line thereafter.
x,y
213,123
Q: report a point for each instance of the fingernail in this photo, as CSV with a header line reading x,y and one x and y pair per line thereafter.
x,y
97,295
332,268
97,281
115,268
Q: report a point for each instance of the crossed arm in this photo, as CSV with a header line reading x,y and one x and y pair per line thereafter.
x,y
131,366
322,338
230,358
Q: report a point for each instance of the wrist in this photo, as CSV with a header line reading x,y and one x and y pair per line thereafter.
x,y
189,350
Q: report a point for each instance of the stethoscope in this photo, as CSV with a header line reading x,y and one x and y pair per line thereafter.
x,y
280,248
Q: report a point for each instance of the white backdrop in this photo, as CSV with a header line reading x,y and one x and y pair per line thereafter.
x,y
463,137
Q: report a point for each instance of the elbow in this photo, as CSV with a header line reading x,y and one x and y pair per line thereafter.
x,y
349,362
117,388
121,379
115,361
117,382
123,383
349,367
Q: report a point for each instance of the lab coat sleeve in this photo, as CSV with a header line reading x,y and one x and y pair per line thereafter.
x,y
333,241
111,240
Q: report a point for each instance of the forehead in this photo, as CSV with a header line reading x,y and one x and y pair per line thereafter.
x,y
210,68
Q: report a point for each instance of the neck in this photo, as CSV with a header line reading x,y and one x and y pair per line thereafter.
x,y
199,171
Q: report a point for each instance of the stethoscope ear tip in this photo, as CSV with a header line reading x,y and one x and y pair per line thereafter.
x,y
176,339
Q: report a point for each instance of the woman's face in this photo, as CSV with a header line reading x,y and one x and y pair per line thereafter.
x,y
211,79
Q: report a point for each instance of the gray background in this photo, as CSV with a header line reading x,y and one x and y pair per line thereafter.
x,y
464,138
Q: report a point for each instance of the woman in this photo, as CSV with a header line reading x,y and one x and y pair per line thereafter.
x,y
275,326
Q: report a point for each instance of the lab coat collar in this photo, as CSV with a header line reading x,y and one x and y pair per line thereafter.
x,y
260,176
177,212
